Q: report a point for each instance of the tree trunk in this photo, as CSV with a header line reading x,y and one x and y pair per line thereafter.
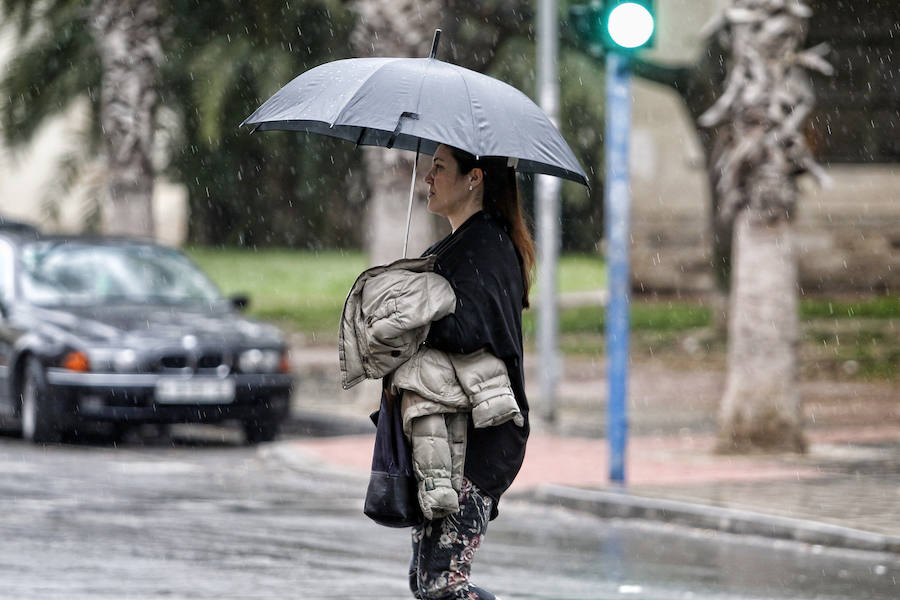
x,y
761,405
391,28
127,36
759,152
389,173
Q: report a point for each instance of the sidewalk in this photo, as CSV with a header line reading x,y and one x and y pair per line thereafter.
x,y
844,492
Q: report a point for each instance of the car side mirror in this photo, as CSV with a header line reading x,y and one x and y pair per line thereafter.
x,y
240,301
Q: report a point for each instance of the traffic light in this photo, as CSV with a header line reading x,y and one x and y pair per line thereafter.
x,y
622,25
630,24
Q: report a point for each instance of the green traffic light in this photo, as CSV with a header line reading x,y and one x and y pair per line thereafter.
x,y
630,25
614,25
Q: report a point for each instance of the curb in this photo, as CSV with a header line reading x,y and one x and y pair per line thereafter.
x,y
624,505
319,424
301,461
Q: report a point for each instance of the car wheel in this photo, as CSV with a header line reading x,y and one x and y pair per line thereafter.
x,y
261,429
38,423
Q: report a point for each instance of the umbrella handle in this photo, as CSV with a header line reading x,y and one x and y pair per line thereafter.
x,y
412,185
435,42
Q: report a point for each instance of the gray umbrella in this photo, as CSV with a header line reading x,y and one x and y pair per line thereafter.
x,y
416,104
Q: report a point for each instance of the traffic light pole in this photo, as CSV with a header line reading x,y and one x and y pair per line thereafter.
x,y
616,28
617,217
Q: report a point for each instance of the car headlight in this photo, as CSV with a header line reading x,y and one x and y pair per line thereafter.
x,y
120,360
125,361
259,361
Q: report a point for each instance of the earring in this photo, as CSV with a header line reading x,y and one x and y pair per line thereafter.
x,y
470,188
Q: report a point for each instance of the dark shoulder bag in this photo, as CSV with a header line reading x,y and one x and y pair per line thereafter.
x,y
391,496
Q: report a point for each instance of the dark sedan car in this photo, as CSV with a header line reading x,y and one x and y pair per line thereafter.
x,y
127,332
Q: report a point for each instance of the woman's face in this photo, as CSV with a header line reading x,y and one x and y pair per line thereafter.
x,y
448,189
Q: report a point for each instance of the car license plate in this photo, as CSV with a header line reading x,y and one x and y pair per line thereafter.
x,y
195,391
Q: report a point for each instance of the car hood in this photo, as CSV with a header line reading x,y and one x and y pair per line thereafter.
x,y
145,326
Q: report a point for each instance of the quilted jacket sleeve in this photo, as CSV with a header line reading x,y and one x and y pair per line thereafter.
x,y
485,380
435,441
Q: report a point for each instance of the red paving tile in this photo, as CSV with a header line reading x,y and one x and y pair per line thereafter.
x,y
583,462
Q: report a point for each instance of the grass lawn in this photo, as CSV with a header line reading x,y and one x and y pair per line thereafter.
x,y
578,273
305,291
300,290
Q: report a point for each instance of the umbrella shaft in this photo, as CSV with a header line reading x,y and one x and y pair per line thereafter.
x,y
412,187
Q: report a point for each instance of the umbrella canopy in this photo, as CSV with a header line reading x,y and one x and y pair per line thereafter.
x,y
416,104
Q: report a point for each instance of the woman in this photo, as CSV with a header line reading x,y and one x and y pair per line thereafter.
x,y
487,259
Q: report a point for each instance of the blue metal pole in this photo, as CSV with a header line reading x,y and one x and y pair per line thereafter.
x,y
617,217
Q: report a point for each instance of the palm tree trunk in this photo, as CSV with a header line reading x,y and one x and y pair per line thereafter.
x,y
761,405
758,156
127,36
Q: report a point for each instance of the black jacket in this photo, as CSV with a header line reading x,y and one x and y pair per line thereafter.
x,y
483,268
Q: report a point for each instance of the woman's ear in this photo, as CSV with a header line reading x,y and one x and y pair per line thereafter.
x,y
476,177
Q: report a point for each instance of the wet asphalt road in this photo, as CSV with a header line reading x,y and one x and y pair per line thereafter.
x,y
171,519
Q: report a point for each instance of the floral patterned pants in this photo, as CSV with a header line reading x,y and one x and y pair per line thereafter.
x,y
443,550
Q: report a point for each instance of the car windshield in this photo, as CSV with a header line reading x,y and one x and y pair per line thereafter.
x,y
65,273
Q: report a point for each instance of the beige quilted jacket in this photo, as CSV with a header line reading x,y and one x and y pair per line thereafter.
x,y
387,315
385,321
439,391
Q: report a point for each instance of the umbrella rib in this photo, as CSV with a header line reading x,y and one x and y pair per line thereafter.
x,y
517,124
422,83
469,98
362,133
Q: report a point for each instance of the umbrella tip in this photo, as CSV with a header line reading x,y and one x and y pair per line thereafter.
x,y
435,42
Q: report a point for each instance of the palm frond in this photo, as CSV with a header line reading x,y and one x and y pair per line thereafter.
x,y
56,64
220,65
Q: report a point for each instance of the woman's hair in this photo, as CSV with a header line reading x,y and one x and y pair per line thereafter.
x,y
501,198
